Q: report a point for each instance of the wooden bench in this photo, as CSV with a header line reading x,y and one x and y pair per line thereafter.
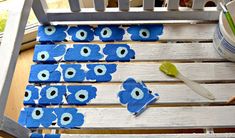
x,y
178,113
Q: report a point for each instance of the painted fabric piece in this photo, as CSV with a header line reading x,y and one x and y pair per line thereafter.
x,y
145,32
109,32
31,94
49,53
118,52
72,73
136,96
52,33
81,33
51,118
35,135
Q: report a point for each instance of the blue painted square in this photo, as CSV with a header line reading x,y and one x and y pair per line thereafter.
x,y
72,73
31,94
81,33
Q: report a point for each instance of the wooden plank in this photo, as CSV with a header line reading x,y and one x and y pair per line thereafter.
x,y
142,52
74,5
169,94
149,4
123,5
149,72
152,118
99,5
173,4
40,8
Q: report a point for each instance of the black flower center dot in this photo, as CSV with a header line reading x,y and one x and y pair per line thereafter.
x,y
52,93
38,112
42,56
66,118
70,73
49,29
82,96
100,70
44,75
144,33
137,93
123,51
26,94
82,33
105,32
85,50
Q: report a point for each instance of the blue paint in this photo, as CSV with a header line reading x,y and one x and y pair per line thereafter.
x,y
118,52
83,53
72,73
44,73
109,33
80,95
48,53
31,94
52,33
81,33
52,95
136,96
100,72
69,117
35,135
145,32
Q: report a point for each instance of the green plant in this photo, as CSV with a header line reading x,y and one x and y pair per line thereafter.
x,y
3,20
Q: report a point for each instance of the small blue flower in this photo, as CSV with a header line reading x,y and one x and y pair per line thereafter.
x,y
136,96
118,52
52,95
81,33
52,33
100,72
80,95
145,32
83,53
109,33
48,53
35,135
73,73
69,118
44,73
22,118
30,95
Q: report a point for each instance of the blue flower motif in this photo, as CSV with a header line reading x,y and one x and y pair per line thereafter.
x,y
145,32
52,33
30,95
136,96
35,135
44,73
69,117
81,33
83,53
48,53
52,95
118,52
109,33
34,117
73,73
80,95
100,72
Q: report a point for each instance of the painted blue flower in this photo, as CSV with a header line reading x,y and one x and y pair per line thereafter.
x,y
109,33
30,95
22,118
136,96
118,52
52,95
69,117
145,32
83,53
100,72
34,117
73,73
35,135
81,33
52,33
80,95
48,53
44,73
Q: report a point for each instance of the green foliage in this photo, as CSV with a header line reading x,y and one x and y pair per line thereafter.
x,y
3,20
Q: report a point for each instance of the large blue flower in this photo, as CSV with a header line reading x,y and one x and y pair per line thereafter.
x,y
69,117
145,32
136,95
30,95
35,135
83,53
34,117
48,53
52,33
118,52
73,73
109,33
80,95
100,72
81,33
52,95
44,73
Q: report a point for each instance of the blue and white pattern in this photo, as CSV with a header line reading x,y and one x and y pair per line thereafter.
x,y
81,33
31,94
136,96
145,32
80,95
35,135
72,73
118,52
109,33
100,72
